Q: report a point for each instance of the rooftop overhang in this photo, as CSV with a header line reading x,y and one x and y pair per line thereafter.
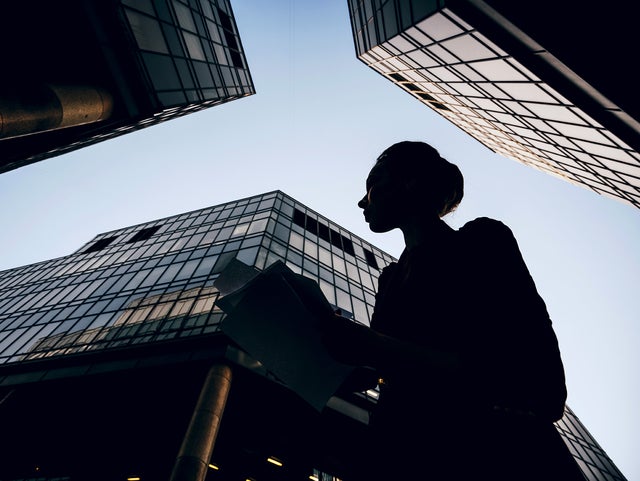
x,y
67,415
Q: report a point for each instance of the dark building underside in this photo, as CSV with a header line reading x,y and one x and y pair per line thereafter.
x,y
101,422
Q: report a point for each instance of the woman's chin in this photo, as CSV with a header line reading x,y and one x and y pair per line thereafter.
x,y
378,229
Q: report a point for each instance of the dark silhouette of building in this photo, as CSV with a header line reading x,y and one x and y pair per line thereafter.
x,y
549,87
86,71
103,353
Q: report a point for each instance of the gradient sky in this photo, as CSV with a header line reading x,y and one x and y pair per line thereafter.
x,y
313,130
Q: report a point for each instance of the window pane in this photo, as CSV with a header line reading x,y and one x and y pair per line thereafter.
x,y
147,32
203,74
193,46
184,16
162,72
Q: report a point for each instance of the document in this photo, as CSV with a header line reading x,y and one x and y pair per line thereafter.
x,y
274,317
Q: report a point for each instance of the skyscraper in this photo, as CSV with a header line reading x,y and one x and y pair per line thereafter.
x,y
536,85
103,352
92,71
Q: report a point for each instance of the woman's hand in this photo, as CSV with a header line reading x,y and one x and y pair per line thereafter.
x,y
346,340
356,344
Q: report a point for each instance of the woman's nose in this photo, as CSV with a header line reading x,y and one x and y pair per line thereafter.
x,y
362,203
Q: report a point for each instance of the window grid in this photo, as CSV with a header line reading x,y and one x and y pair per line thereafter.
x,y
592,459
463,76
155,280
191,52
154,22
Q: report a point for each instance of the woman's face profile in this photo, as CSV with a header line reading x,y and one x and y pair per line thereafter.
x,y
383,204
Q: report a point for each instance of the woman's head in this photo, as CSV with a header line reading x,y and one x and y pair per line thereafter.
x,y
410,183
433,184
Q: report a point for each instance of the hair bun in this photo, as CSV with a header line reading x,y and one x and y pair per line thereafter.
x,y
411,161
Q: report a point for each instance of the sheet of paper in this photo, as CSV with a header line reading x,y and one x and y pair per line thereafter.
x,y
234,277
274,318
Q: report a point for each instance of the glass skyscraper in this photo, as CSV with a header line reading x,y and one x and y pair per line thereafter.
x,y
103,352
90,71
536,85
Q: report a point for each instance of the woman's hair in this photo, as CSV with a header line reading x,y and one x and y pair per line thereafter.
x,y
429,177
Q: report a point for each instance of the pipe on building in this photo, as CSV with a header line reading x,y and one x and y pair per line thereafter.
x,y
197,446
34,109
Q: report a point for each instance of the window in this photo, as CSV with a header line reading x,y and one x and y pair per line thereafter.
x,y
100,244
398,77
371,259
147,32
322,231
144,234
299,218
348,246
426,96
312,225
232,44
336,239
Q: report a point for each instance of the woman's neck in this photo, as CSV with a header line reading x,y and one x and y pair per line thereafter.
x,y
424,232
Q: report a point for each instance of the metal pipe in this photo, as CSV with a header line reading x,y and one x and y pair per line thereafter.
x,y
32,109
198,443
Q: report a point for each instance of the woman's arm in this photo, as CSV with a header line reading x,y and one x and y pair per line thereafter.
x,y
359,345
521,363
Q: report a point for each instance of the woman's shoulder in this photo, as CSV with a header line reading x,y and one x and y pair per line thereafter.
x,y
488,238
485,230
387,271
484,225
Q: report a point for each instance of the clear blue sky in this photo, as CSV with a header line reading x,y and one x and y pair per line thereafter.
x,y
317,123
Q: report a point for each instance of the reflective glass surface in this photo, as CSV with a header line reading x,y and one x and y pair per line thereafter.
x,y
179,42
154,281
158,60
457,71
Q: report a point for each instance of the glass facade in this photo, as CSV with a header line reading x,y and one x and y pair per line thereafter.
x,y
190,50
150,286
594,462
469,75
156,60
124,288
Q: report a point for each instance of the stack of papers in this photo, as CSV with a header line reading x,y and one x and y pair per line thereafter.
x,y
274,316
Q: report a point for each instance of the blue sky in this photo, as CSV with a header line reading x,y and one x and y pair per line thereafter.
x,y
316,124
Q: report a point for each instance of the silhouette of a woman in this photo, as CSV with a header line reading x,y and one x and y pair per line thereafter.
x,y
471,378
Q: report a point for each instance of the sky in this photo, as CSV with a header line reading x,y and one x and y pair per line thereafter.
x,y
313,129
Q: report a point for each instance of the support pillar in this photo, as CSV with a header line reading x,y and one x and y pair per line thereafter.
x,y
197,446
